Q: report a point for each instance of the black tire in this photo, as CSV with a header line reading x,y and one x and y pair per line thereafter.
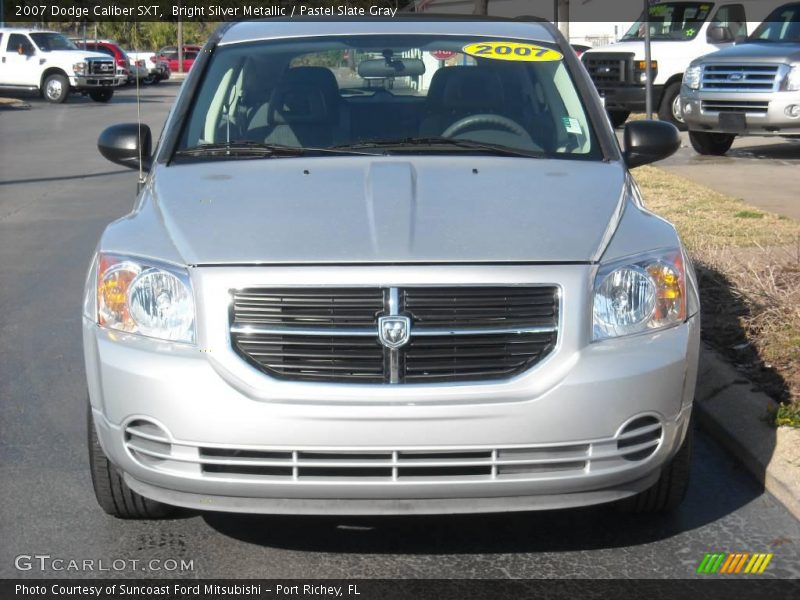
x,y
150,80
55,88
112,493
101,95
670,489
618,117
670,110
711,144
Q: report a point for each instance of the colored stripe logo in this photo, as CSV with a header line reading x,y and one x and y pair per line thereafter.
x,y
725,563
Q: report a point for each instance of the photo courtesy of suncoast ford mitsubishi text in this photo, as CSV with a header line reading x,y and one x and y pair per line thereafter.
x,y
441,294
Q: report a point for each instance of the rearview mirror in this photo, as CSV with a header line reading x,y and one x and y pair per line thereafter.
x,y
124,143
381,68
649,141
719,35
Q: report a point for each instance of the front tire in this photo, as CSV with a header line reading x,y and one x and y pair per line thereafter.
x,y
670,489
670,110
101,95
112,493
55,88
618,117
711,144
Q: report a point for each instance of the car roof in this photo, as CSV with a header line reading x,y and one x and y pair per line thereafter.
x,y
24,30
250,31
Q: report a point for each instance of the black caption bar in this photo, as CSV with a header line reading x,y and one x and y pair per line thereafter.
x,y
404,589
44,11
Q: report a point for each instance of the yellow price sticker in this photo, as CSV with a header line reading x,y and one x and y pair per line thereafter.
x,y
512,51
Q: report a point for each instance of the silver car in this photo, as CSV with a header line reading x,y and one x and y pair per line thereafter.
x,y
389,267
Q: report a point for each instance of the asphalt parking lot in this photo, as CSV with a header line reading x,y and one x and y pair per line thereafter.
x,y
56,195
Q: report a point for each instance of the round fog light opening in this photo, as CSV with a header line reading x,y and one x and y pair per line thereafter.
x,y
687,109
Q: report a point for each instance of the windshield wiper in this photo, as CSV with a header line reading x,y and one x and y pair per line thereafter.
x,y
250,149
442,142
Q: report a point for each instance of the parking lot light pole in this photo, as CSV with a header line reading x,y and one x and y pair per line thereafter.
x,y
648,85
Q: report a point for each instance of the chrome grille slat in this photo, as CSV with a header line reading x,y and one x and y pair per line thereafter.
x,y
458,333
731,77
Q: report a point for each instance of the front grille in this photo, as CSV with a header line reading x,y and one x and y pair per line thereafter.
x,y
749,107
101,67
464,333
740,78
610,69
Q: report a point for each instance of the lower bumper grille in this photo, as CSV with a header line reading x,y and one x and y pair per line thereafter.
x,y
749,107
151,446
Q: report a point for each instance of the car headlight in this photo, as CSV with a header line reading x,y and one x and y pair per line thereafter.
x,y
791,83
692,77
79,68
136,296
639,294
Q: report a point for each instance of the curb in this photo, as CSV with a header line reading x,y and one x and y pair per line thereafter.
x,y
733,411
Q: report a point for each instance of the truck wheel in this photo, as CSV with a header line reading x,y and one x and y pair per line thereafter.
x,y
618,117
101,95
670,109
670,489
56,88
150,79
112,493
713,144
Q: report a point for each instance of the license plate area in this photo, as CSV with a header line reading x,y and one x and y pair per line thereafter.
x,y
732,121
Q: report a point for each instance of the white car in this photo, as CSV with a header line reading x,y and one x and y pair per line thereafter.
x,y
48,64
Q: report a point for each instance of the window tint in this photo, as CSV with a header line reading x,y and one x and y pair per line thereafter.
x,y
783,25
17,41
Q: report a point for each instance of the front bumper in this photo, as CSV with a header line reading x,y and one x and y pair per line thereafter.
x,y
765,113
197,408
628,97
85,82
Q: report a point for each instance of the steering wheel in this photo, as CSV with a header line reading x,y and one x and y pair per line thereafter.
x,y
485,119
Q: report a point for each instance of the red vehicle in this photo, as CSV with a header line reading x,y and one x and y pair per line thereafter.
x,y
170,55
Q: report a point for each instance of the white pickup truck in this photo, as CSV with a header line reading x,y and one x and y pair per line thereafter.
x,y
680,32
47,63
157,69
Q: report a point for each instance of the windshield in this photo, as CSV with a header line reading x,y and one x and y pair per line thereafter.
x,y
672,21
429,93
52,41
782,25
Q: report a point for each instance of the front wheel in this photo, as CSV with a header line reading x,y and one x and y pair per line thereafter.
x,y
669,491
56,88
711,144
618,117
670,109
112,493
101,95
150,80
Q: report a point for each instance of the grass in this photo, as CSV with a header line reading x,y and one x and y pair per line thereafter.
x,y
748,265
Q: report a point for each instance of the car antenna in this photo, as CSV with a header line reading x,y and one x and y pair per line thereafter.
x,y
138,103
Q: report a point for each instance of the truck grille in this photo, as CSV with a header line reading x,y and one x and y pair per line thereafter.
x,y
749,107
740,78
611,68
101,67
455,333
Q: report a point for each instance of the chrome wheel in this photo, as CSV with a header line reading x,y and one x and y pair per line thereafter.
x,y
54,89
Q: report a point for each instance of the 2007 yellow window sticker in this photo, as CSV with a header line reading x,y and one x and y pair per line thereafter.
x,y
512,51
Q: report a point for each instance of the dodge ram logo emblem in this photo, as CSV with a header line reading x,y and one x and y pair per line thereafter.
x,y
394,331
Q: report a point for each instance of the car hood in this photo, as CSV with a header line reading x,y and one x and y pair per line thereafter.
x,y
388,209
755,51
74,55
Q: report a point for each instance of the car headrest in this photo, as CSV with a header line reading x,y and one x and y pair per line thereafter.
x,y
474,88
304,95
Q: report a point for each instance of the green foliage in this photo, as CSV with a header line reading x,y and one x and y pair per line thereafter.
x,y
787,415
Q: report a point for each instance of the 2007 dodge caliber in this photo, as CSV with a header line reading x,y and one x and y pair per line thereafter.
x,y
389,267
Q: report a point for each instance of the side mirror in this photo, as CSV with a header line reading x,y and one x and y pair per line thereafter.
x,y
646,142
122,144
719,35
